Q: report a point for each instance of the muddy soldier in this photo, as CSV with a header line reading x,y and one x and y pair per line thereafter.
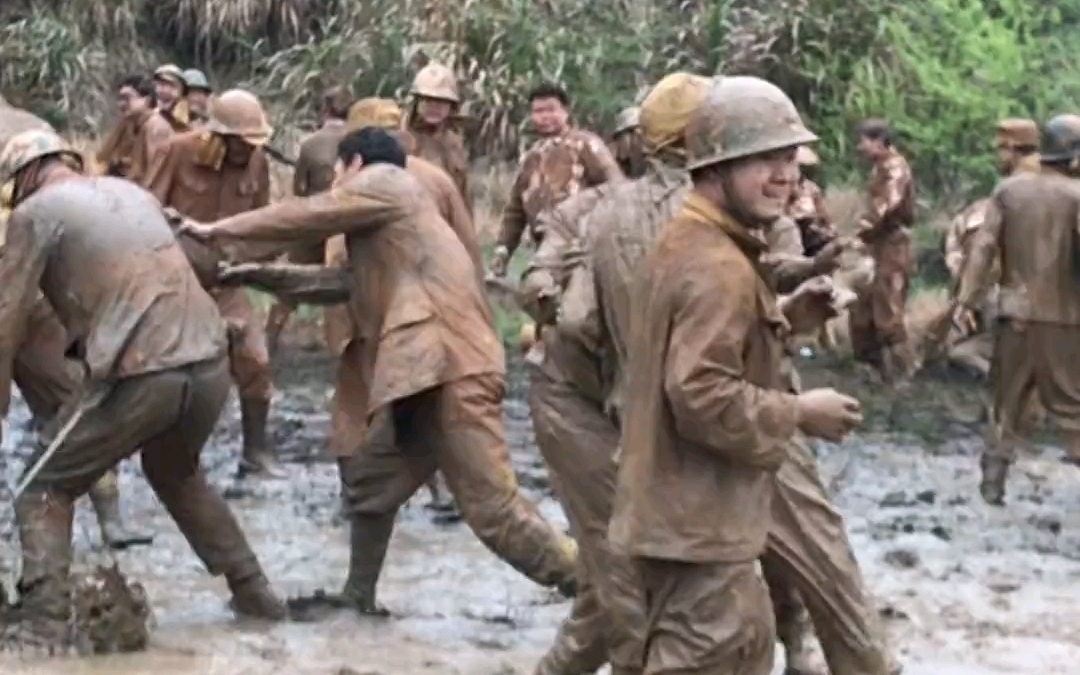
x,y
140,134
426,360
1030,230
152,346
570,392
807,206
215,172
431,124
171,92
712,414
878,326
198,96
564,160
972,341
626,144
313,173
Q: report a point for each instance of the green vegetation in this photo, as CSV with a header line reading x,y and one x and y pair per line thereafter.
x,y
942,70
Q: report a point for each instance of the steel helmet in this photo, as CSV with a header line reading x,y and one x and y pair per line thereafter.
x,y
25,148
1061,138
436,81
628,119
171,73
740,117
374,112
196,80
238,113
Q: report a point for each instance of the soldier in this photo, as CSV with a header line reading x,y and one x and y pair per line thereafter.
x,y
1030,231
198,95
433,368
140,134
314,173
712,414
214,172
878,326
972,342
171,92
152,346
807,206
626,145
564,160
431,122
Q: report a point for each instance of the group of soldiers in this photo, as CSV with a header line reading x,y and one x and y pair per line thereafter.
x,y
671,269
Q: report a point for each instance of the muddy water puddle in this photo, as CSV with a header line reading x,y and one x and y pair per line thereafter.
x,y
968,590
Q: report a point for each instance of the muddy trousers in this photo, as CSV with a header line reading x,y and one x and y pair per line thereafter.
x,y
456,428
578,443
808,561
878,324
169,415
1030,359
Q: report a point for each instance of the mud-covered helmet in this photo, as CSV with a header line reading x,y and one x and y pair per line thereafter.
x,y
1061,138
196,80
171,73
23,149
740,117
668,108
805,156
238,113
628,119
436,81
384,113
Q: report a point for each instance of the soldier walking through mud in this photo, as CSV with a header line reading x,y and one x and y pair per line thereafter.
x,y
313,173
152,346
712,413
139,134
215,172
879,334
430,366
431,125
1037,338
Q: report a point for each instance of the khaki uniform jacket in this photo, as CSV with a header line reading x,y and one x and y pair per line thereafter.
x,y
132,146
445,149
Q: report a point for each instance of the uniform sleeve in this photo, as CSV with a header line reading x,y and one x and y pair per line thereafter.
x,y
784,261
600,164
155,141
302,284
301,184
954,250
162,172
976,273
545,270
514,220
885,206
22,262
712,403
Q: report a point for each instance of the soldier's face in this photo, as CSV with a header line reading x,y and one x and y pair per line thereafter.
x,y
167,93
130,101
759,187
197,100
548,116
238,151
433,111
870,148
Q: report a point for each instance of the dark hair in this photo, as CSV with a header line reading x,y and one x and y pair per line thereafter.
x,y
876,129
549,90
374,145
335,102
142,84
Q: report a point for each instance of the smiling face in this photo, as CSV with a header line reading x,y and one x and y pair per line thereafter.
x,y
129,101
433,111
758,188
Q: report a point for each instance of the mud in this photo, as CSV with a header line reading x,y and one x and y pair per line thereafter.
x,y
967,589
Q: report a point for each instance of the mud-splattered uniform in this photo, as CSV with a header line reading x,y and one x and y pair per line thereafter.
x,y
152,345
131,147
444,148
807,208
426,356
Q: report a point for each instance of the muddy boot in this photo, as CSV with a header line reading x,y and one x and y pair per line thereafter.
x,y
105,496
992,486
255,599
801,657
369,538
257,461
44,607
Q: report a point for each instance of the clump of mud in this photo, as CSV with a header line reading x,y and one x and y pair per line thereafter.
x,y
109,615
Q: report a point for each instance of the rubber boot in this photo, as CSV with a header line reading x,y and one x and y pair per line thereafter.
x,y
44,608
105,496
254,598
257,461
369,539
992,486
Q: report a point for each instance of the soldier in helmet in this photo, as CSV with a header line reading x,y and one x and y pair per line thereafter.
x,y
431,122
1030,231
807,206
878,324
198,95
140,134
626,144
565,159
313,173
712,411
152,346
171,88
215,172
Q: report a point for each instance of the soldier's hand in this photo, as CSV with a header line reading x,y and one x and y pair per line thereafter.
x,y
201,231
828,414
828,258
964,320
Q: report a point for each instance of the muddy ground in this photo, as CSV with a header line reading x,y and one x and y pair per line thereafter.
x,y
968,590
